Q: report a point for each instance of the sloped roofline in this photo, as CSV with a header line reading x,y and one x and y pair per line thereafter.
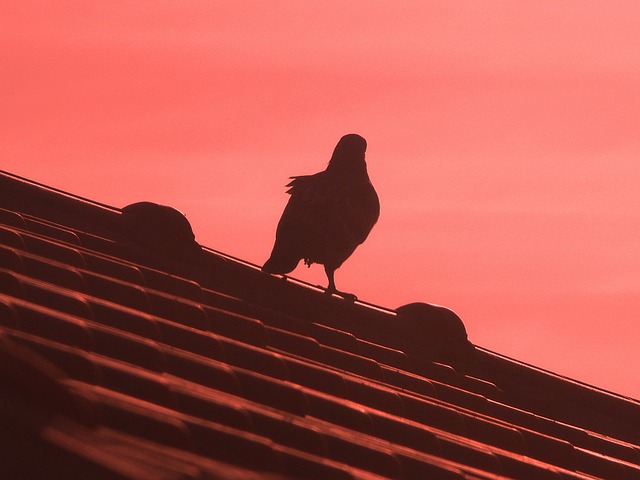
x,y
525,386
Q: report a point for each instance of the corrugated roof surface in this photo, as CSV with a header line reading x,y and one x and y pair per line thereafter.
x,y
127,351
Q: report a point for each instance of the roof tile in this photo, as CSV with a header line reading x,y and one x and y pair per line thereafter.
x,y
131,352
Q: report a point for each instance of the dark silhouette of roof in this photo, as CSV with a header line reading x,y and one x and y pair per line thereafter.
x,y
127,356
328,215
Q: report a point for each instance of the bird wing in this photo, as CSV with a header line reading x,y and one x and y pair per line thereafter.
x,y
308,212
299,228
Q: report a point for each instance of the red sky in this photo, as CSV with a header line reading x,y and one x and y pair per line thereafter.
x,y
503,142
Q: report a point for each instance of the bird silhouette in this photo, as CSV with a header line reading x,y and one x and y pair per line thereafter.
x,y
328,215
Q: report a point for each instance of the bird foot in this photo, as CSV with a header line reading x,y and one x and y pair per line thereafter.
x,y
350,297
280,276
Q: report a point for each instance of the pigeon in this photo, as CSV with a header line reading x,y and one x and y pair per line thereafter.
x,y
328,214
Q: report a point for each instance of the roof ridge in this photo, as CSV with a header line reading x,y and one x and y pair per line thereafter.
x,y
38,185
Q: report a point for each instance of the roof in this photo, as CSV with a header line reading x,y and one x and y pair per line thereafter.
x,y
129,351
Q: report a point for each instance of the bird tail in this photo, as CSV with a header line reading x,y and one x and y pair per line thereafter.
x,y
279,263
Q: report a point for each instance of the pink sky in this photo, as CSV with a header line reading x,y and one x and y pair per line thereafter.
x,y
503,142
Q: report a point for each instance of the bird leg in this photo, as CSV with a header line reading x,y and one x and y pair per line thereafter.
x,y
331,289
332,284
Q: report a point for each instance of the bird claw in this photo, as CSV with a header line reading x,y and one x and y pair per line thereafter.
x,y
350,297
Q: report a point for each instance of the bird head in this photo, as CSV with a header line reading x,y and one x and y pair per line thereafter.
x,y
348,156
